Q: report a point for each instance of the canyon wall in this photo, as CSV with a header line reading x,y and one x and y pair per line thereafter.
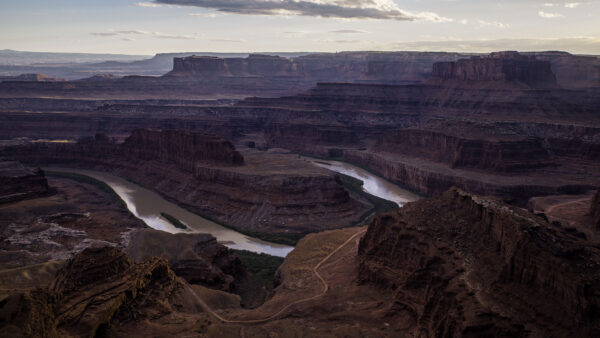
x,y
495,155
461,265
181,147
267,193
506,67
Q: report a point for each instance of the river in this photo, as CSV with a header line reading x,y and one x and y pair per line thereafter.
x,y
372,184
147,205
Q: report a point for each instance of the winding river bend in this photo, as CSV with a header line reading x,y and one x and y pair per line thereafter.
x,y
372,184
148,205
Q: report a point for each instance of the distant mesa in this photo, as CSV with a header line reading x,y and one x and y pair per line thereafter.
x,y
253,65
500,67
101,77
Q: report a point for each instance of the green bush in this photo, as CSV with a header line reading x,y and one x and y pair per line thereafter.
x,y
259,283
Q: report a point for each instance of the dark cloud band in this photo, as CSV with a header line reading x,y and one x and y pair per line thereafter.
x,y
348,9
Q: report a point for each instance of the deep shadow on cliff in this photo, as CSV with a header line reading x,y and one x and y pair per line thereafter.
x,y
463,265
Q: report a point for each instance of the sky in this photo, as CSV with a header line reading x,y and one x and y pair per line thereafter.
x,y
160,26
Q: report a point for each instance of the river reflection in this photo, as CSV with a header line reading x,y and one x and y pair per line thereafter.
x,y
374,185
147,205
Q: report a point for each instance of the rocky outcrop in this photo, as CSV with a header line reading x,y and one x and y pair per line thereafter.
x,y
197,258
96,289
495,154
19,183
462,265
181,147
502,67
595,209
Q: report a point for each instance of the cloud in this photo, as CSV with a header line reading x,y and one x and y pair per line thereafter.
x,y
347,41
348,31
157,35
549,15
497,24
147,4
572,4
228,40
346,9
204,15
582,45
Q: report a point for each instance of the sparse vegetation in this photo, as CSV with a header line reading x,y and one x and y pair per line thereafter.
x,y
176,223
259,283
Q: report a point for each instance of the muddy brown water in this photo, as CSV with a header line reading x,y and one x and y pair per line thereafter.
x,y
147,205
372,184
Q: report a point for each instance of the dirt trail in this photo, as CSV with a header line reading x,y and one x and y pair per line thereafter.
x,y
552,207
273,316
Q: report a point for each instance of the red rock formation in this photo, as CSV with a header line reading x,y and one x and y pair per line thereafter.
x,y
269,193
197,258
18,183
502,67
255,65
461,265
501,154
184,148
97,288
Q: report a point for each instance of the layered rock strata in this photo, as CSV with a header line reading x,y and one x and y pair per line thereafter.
x,y
270,192
197,258
502,67
462,265
19,183
96,289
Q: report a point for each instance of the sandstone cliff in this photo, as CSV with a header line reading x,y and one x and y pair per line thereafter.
x,y
501,154
184,148
500,67
18,183
462,265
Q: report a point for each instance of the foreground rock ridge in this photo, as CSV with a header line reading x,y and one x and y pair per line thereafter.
x,y
97,287
463,265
